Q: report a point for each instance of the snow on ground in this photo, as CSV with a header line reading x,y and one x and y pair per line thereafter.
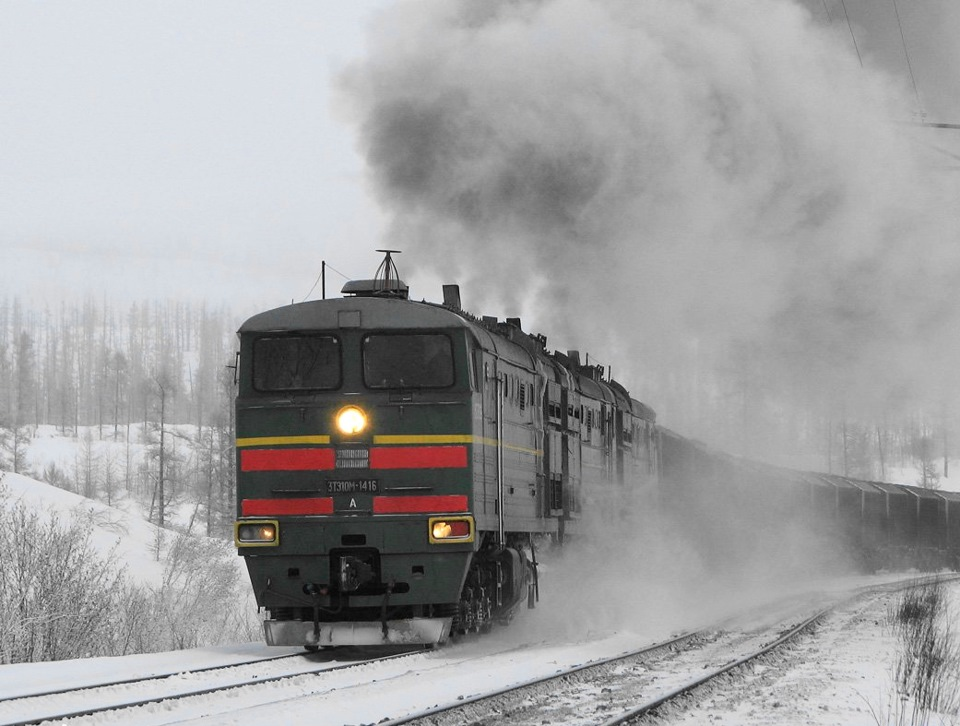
x,y
841,674
100,453
50,447
134,540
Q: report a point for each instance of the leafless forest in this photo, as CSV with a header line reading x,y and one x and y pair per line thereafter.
x,y
153,375
145,394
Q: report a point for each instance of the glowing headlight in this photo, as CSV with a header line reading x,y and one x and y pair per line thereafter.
x,y
351,420
451,529
256,534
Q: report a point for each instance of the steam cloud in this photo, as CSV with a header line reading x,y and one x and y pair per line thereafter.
x,y
648,179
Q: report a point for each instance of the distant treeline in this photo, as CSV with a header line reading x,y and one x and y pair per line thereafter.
x,y
99,370
92,364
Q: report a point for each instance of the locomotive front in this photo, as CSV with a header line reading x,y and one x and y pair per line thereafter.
x,y
354,470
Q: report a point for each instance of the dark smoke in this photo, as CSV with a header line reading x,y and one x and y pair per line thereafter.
x,y
697,191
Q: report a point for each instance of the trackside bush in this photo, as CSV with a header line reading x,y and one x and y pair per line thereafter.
x,y
59,598
62,598
927,670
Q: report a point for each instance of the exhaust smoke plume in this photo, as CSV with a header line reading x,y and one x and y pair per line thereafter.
x,y
692,190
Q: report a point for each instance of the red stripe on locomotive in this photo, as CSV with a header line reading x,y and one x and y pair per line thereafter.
x,y
265,507
287,460
420,505
418,457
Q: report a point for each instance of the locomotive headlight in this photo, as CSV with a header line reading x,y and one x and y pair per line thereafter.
x,y
351,420
262,533
451,530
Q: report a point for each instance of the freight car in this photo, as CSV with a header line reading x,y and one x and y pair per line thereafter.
x,y
730,509
398,462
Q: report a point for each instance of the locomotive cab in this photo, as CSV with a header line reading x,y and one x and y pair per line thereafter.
x,y
397,462
353,463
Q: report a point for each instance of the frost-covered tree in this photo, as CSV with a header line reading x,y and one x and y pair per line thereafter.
x,y
88,466
56,593
924,455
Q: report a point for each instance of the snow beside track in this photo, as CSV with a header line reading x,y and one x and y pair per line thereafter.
x,y
841,674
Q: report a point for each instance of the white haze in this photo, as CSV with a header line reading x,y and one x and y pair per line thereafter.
x,y
669,184
642,565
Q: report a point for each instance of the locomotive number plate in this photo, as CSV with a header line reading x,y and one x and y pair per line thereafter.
x,y
353,486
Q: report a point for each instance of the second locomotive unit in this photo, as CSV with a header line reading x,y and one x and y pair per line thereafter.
x,y
397,462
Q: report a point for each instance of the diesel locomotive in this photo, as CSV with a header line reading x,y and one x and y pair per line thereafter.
x,y
398,463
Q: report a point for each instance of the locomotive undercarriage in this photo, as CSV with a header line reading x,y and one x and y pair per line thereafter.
x,y
497,582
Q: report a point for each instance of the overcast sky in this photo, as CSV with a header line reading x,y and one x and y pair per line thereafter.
x,y
191,149
178,149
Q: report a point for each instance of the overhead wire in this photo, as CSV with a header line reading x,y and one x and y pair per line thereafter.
x,y
906,55
853,37
913,79
328,266
345,277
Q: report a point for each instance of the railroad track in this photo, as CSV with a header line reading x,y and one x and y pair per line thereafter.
x,y
200,694
607,691
157,676
587,687
626,688
124,694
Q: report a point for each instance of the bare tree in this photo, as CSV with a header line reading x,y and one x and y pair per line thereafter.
x,y
923,454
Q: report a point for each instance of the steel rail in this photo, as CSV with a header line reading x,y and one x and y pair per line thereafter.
x,y
468,700
122,705
650,706
154,677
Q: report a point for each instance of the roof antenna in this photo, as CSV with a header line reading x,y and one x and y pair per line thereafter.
x,y
386,283
387,280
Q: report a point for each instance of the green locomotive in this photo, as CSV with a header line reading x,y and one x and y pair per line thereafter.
x,y
397,462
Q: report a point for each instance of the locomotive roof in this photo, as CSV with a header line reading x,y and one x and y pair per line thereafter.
x,y
374,312
390,312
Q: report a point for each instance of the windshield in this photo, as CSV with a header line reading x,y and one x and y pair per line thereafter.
x,y
296,363
421,360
